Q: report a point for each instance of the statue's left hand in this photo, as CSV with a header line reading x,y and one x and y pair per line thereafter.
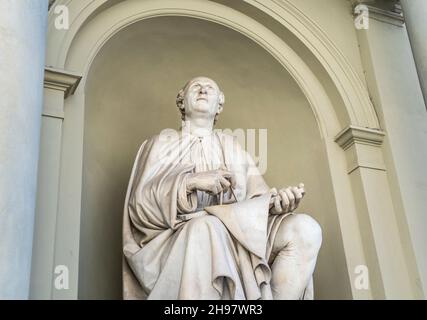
x,y
287,199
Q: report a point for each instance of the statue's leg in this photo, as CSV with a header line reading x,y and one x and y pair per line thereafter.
x,y
294,254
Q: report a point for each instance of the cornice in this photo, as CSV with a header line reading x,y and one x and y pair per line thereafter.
x,y
390,13
61,80
353,134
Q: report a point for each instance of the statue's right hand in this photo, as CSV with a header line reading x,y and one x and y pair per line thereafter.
x,y
213,182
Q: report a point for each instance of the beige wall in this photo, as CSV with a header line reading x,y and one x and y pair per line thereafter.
x,y
335,18
130,96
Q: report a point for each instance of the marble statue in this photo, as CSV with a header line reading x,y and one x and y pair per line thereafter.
x,y
200,222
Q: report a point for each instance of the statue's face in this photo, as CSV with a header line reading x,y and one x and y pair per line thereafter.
x,y
201,98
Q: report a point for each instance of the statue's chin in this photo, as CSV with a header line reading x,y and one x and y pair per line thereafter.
x,y
201,107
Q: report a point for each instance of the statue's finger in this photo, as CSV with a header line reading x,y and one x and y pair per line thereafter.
x,y
291,198
217,189
285,200
212,190
273,191
225,184
233,180
298,196
277,205
230,177
301,187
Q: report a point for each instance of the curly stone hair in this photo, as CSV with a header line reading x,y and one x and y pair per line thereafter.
x,y
180,102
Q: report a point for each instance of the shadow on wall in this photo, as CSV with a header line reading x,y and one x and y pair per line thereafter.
x,y
130,95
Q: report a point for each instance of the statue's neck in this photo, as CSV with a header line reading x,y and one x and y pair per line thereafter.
x,y
198,127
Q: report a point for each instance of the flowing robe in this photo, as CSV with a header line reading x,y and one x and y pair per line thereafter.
x,y
182,245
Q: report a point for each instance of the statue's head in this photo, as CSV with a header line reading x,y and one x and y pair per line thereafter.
x,y
200,97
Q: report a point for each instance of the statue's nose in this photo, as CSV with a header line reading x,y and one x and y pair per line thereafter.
x,y
203,90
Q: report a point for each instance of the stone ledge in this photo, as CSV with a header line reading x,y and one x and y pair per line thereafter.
x,y
61,80
386,16
353,134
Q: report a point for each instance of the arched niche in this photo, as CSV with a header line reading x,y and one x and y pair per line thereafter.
x,y
327,83
129,96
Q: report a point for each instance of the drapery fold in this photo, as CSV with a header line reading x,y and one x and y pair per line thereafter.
x,y
174,250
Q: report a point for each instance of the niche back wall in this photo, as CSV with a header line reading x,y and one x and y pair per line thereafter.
x,y
130,95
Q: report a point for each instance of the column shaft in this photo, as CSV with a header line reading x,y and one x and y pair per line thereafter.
x,y
22,50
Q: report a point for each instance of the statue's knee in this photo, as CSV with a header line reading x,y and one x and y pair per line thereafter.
x,y
306,232
204,222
